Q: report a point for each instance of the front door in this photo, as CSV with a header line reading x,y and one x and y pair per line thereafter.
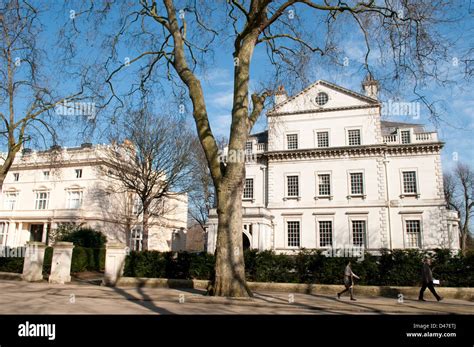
x,y
36,232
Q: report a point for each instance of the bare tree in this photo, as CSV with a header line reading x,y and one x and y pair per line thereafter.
x,y
178,38
25,98
459,194
149,157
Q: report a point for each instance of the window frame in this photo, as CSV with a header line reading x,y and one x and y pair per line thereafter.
x,y
318,232
69,200
247,151
402,183
360,136
319,131
78,173
350,195
6,199
410,136
359,218
37,199
287,196
317,195
291,133
408,218
244,198
293,220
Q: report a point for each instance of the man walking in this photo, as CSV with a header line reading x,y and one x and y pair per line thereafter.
x,y
348,282
427,281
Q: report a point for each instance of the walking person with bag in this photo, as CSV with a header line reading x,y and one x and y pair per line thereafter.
x,y
348,282
427,281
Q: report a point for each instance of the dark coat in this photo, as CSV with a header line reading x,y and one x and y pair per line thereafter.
x,y
426,274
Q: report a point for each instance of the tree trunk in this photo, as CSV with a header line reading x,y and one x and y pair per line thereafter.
x,y
230,267
2,179
146,216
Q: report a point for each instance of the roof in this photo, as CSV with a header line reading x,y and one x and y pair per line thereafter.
x,y
262,137
330,85
388,126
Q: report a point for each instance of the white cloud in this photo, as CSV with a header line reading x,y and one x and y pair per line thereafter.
x,y
222,99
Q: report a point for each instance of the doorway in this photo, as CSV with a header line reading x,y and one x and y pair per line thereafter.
x,y
36,232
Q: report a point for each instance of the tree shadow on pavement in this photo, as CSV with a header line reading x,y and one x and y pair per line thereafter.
x,y
145,301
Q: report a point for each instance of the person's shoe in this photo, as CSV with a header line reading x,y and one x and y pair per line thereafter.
x,y
339,295
421,299
353,299
440,298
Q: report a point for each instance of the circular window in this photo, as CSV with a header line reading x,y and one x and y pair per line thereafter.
x,y
322,99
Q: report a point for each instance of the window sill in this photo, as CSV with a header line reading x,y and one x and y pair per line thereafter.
x,y
328,197
411,195
361,196
248,200
298,198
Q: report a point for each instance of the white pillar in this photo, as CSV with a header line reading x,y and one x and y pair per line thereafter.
x,y
114,262
45,232
61,263
33,264
18,235
6,236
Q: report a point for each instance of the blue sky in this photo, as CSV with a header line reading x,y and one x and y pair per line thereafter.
x,y
456,127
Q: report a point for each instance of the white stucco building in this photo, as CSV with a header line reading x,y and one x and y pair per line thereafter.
x,y
330,173
64,185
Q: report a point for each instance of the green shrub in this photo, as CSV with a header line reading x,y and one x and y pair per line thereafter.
x,y
84,237
399,267
11,264
83,259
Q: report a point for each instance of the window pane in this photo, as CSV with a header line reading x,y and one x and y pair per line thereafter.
x,y
358,232
325,233
354,137
406,136
323,139
409,182
248,188
293,187
324,186
413,229
357,184
293,229
248,147
292,141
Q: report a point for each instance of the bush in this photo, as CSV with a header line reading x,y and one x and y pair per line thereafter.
x,y
84,237
83,259
11,264
399,267
181,265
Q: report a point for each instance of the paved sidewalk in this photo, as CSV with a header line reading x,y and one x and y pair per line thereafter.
x,y
18,297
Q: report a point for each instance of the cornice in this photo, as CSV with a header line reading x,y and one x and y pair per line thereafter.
x,y
359,151
321,110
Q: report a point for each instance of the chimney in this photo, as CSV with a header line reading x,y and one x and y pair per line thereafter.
x,y
371,86
280,95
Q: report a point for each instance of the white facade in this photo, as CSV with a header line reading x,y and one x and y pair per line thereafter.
x,y
44,189
330,174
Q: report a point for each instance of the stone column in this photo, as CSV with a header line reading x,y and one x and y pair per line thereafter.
x,y
33,264
114,262
61,264
45,233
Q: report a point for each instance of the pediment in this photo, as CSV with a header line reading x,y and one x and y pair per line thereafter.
x,y
338,98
